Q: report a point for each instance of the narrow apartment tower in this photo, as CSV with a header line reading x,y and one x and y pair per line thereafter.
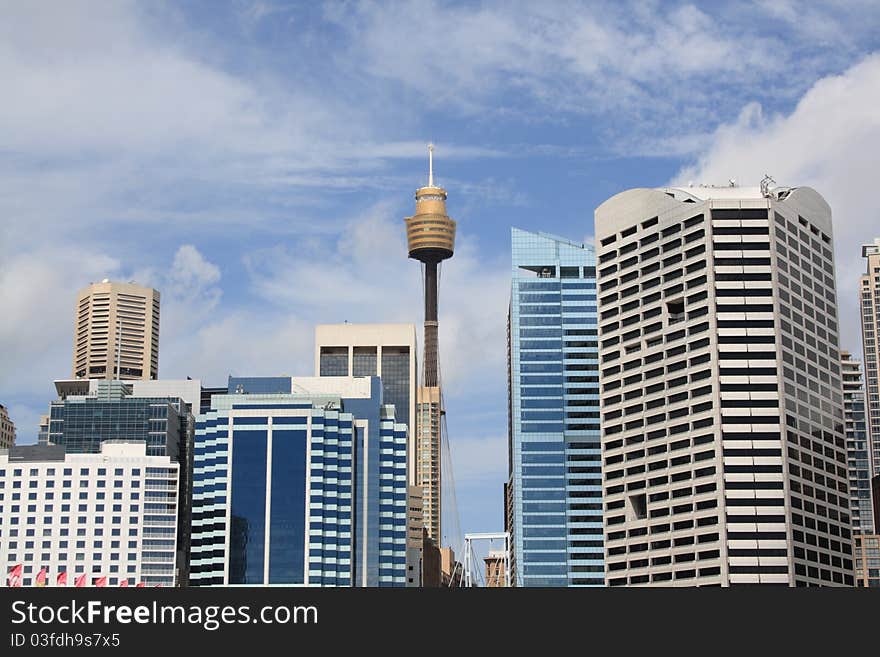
x,y
723,438
117,332
858,452
430,235
870,297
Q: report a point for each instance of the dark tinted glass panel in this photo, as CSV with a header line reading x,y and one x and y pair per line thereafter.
x,y
363,362
287,516
395,380
248,508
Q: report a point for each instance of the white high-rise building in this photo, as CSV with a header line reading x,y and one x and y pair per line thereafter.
x,y
110,515
869,289
724,455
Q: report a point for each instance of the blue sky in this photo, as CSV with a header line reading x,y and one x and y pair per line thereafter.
x,y
254,161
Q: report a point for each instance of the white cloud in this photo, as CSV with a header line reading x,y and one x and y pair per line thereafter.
x,y
37,295
829,142
652,70
364,275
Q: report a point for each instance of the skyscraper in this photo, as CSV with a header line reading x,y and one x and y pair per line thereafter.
x,y
389,352
116,333
301,488
870,296
384,350
7,429
430,235
722,408
554,488
857,446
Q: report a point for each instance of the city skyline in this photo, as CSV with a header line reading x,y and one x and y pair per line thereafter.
x,y
225,277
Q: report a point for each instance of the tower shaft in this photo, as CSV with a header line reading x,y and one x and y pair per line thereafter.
x,y
431,341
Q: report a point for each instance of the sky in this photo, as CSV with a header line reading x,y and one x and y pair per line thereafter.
x,y
254,160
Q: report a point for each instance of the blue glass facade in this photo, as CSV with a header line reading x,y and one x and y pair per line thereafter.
x,y
312,489
247,504
555,485
81,424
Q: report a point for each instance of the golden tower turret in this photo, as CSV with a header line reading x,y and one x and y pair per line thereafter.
x,y
430,233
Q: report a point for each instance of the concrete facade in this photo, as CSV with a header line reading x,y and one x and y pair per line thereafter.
x,y
7,429
723,440
111,514
116,327
869,290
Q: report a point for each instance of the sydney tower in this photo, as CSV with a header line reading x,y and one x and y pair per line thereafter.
x,y
430,234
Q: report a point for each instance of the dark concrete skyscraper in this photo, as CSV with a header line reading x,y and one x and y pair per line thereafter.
x,y
430,234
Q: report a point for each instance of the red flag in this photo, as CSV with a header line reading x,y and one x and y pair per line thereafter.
x,y
14,576
101,581
41,577
61,578
80,581
123,583
140,585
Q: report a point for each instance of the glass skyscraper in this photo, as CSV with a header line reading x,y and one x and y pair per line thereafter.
x,y
303,488
554,489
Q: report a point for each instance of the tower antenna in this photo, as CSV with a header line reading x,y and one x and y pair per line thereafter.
x,y
430,165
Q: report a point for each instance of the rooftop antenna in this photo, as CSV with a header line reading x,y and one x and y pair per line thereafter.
x,y
430,164
767,182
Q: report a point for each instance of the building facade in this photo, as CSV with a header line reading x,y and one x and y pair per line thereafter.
x,y
869,289
301,489
7,429
554,490
116,334
722,410
112,514
384,350
89,413
867,558
858,454
496,575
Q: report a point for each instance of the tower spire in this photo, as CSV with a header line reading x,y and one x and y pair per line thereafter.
x,y
430,165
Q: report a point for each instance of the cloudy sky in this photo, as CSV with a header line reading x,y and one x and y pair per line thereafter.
x,y
254,161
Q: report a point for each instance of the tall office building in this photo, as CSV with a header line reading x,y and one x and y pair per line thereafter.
x,y
306,487
89,413
869,289
116,333
384,350
430,235
7,429
858,453
722,408
554,489
389,352
107,514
